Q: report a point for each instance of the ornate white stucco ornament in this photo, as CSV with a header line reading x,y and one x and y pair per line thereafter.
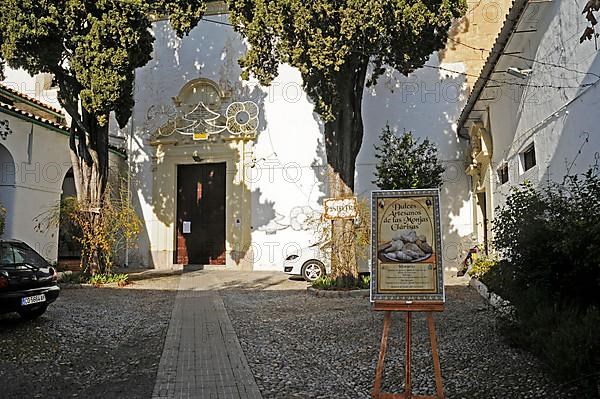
x,y
4,129
241,118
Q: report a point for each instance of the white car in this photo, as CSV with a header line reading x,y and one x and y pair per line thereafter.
x,y
310,263
313,262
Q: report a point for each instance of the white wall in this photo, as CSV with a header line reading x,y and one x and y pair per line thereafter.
x,y
20,80
427,103
562,122
286,164
33,184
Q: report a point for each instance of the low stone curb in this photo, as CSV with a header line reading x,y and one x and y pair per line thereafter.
x,y
495,300
338,294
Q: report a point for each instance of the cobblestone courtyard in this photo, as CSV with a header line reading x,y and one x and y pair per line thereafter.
x,y
107,343
307,347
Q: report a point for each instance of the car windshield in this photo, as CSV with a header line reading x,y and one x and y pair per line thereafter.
x,y
19,253
24,254
6,254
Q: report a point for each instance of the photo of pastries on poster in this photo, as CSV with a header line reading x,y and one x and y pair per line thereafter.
x,y
405,230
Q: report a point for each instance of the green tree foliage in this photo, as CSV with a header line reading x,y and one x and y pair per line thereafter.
x,y
404,162
339,47
548,240
92,48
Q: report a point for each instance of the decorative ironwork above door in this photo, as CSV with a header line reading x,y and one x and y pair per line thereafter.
x,y
202,110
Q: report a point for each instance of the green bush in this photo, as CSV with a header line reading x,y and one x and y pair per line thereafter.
x,y
69,277
564,337
342,283
406,162
106,278
482,266
549,241
550,238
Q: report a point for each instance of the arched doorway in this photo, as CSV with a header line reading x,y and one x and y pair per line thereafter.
x,y
69,250
7,187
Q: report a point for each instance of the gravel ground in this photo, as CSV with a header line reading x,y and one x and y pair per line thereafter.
x,y
91,343
300,346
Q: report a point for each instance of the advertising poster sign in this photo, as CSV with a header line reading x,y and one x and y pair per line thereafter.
x,y
406,246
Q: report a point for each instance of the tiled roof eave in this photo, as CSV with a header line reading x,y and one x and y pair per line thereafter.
x,y
31,100
19,113
57,127
510,23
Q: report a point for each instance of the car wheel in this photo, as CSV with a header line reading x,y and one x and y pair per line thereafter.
x,y
312,270
30,314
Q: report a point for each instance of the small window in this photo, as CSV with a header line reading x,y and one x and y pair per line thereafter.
x,y
529,158
503,173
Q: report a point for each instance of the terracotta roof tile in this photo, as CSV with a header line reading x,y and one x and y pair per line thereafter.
x,y
35,117
32,99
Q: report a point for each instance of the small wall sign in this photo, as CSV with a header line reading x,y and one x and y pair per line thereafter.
x,y
406,246
340,208
200,136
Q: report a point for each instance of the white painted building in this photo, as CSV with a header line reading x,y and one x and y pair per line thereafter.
x,y
243,200
275,179
533,112
35,166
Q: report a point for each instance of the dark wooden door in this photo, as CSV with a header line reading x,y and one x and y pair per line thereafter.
x,y
201,214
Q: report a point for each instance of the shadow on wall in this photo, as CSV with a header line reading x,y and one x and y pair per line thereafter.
x,y
151,151
578,146
427,103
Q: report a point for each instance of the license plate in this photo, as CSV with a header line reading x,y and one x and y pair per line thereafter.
x,y
30,300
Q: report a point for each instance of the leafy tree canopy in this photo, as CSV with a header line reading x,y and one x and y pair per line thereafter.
x,y
405,162
325,39
91,46
339,46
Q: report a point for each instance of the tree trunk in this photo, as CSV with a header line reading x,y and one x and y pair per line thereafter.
x,y
343,139
88,146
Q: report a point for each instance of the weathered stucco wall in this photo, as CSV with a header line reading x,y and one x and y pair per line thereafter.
x,y
33,163
280,177
557,112
278,180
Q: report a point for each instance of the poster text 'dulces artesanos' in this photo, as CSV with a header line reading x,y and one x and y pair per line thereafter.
x,y
406,246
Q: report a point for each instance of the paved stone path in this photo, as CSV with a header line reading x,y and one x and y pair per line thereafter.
x,y
202,357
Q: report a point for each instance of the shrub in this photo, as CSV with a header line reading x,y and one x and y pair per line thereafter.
x,y
549,239
344,282
405,162
564,337
97,279
355,244
101,234
482,266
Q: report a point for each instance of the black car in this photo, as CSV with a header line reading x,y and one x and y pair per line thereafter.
x,y
28,283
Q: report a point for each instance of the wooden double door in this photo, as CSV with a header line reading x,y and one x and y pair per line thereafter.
x,y
201,214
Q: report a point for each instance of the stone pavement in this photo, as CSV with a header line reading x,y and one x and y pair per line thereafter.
x,y
202,357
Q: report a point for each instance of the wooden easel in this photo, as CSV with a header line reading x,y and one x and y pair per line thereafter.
x,y
409,308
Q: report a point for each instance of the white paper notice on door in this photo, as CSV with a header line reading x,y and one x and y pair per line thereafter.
x,y
187,227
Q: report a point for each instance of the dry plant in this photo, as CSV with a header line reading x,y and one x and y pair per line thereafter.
x,y
102,232
345,248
